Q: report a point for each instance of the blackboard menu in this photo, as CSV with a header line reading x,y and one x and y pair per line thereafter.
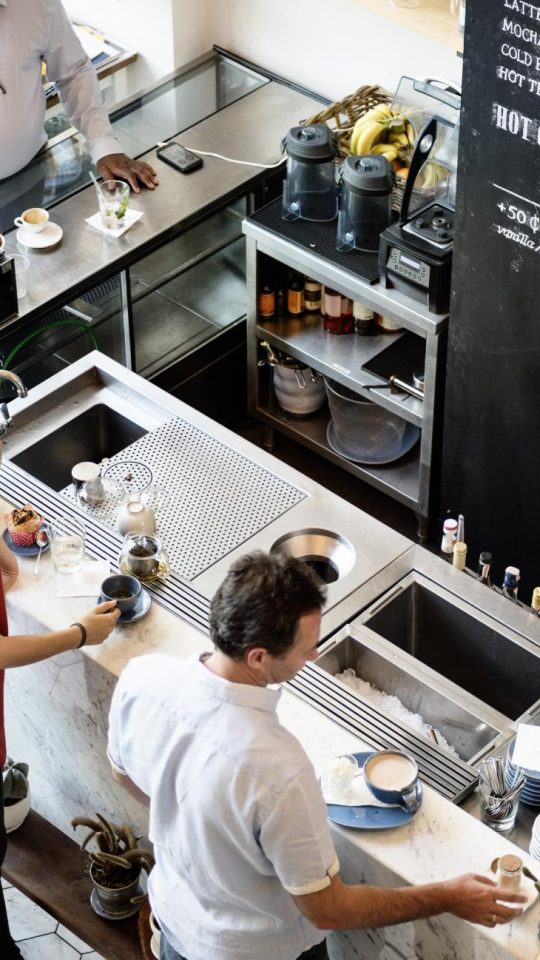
x,y
491,455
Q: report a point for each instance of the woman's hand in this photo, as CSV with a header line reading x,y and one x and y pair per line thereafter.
x,y
100,622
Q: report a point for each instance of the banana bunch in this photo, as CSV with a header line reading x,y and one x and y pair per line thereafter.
x,y
431,174
385,131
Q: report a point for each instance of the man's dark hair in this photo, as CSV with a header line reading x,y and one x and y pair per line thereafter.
x,y
260,603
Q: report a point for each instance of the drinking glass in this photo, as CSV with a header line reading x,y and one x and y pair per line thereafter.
x,y
67,544
495,811
113,198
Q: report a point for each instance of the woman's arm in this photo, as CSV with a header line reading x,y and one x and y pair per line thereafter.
x,y
19,651
8,565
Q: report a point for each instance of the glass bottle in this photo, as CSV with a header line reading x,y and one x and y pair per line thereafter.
x,y
484,567
295,295
535,601
312,295
267,299
510,583
334,322
459,555
363,318
509,870
449,536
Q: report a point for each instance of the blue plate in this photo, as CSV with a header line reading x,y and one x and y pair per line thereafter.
x,y
367,817
31,551
139,611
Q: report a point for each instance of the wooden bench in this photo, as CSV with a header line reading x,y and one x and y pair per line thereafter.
x,y
52,870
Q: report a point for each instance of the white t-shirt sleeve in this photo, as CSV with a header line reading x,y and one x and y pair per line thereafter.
x,y
69,67
295,836
128,728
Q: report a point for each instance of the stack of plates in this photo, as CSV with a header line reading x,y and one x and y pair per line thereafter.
x,y
531,791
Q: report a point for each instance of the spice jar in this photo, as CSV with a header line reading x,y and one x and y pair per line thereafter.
x,y
363,318
295,296
312,295
334,320
267,300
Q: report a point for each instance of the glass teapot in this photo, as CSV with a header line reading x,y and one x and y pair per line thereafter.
x,y
143,556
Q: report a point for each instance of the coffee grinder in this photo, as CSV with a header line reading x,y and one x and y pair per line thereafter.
x,y
415,254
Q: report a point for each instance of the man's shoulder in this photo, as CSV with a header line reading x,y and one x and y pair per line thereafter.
x,y
150,667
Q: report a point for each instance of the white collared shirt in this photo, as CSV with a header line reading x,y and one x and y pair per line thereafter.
x,y
237,818
32,31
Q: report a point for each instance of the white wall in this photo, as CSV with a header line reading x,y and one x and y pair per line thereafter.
x,y
328,46
166,33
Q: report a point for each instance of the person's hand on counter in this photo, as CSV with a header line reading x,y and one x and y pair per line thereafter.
x,y
118,166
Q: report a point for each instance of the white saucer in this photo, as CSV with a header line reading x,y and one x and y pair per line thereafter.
x,y
47,237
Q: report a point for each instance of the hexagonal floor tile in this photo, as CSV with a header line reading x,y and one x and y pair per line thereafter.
x,y
48,947
26,919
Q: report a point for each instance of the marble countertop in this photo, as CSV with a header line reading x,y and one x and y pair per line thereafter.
x,y
440,842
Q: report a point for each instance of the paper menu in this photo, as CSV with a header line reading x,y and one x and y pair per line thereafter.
x,y
527,747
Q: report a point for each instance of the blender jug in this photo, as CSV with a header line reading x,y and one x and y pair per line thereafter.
x,y
365,202
310,188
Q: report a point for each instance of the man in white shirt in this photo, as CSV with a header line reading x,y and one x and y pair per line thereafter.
x,y
37,31
245,863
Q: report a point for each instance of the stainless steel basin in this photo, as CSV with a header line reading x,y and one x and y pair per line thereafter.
x,y
98,432
467,732
459,642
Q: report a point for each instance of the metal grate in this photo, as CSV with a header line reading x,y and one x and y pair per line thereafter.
x,y
211,499
447,774
175,595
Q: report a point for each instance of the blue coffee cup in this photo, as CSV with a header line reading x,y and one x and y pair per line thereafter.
x,y
392,777
122,588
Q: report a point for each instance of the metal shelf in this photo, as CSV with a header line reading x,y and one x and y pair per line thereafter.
x,y
400,480
342,358
390,303
363,364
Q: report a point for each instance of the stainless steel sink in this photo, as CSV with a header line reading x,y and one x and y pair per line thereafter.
x,y
468,733
98,432
458,642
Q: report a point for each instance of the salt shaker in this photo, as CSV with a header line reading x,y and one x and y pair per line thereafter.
x,y
449,536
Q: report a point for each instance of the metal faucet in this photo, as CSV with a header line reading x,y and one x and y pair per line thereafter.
x,y
5,418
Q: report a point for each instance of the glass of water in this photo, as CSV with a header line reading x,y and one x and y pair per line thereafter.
x,y
67,544
113,198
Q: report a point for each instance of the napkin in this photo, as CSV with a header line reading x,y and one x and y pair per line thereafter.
x,y
358,795
130,218
86,583
527,748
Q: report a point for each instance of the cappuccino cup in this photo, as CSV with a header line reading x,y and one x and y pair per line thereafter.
x,y
34,219
392,777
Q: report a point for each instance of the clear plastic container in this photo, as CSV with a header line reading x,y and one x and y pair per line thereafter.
x,y
361,428
310,188
365,202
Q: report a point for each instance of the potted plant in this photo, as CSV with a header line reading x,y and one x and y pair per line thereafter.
x,y
115,866
16,793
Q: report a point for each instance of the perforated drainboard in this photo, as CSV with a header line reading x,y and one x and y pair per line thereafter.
x,y
210,498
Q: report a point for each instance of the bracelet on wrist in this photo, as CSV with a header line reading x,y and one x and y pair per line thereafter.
x,y
82,628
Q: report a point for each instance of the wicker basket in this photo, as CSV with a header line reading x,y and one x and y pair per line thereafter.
x,y
342,115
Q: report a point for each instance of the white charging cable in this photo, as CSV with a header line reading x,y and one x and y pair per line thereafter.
x,y
218,156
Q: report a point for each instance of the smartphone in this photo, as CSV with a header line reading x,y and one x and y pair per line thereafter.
x,y
178,157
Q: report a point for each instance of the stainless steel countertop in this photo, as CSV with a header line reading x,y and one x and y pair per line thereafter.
x,y
250,129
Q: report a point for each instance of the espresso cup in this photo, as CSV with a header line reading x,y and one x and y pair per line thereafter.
x,y
392,777
34,219
122,588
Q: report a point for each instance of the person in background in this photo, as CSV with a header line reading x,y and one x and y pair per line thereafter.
x,y
18,651
245,863
37,31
